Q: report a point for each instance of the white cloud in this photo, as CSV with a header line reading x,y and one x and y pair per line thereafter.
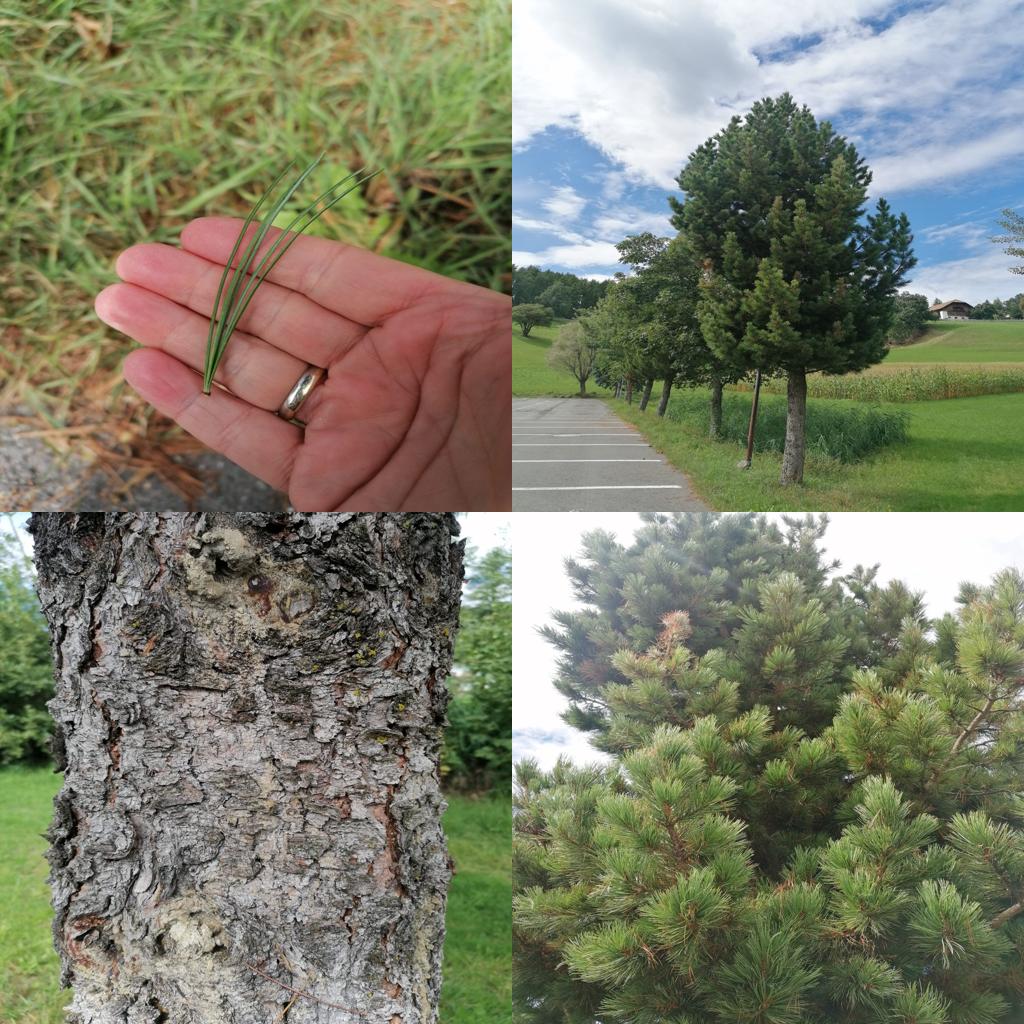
x,y
928,164
546,227
986,276
647,82
630,220
592,253
565,203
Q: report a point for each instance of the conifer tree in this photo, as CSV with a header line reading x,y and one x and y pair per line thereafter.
x,y
746,857
796,279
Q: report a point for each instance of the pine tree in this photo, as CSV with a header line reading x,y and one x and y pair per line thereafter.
x,y
796,278
832,834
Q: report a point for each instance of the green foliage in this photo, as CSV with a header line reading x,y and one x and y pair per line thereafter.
x,y
795,277
478,742
841,839
910,318
846,434
574,351
529,315
568,292
26,674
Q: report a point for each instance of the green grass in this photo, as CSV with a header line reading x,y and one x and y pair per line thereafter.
x,y
965,341
122,121
531,374
847,431
963,455
477,983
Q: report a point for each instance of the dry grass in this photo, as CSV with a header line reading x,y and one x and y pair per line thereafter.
x,y
120,122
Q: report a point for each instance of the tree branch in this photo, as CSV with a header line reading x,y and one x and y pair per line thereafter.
x,y
975,722
1006,915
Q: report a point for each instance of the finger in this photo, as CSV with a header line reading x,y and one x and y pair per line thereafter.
x,y
258,373
281,317
257,440
344,278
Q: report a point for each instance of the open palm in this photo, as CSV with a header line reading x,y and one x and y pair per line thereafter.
x,y
415,409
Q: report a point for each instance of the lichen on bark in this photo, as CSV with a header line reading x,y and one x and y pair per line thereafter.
x,y
249,712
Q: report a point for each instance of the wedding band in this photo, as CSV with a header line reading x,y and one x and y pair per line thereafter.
x,y
300,392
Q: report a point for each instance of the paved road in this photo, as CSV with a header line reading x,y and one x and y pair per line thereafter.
x,y
573,455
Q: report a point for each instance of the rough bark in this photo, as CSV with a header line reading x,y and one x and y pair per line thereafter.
x,y
715,429
249,711
666,391
796,420
646,396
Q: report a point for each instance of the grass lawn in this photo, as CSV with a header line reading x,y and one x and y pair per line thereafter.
x,y
965,454
122,121
965,341
477,985
531,374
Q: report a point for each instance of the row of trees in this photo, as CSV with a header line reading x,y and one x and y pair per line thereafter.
x,y
775,268
813,809
562,293
1000,309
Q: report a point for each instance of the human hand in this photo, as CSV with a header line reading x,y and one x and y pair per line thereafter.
x,y
415,409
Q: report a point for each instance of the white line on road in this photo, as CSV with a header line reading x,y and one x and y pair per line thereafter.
x,y
608,487
577,444
602,433
649,462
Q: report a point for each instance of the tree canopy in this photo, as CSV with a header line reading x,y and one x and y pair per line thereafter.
x,y
814,810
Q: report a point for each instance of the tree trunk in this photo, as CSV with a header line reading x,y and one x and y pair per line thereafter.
x,y
796,417
646,396
665,392
716,409
583,385
629,390
249,710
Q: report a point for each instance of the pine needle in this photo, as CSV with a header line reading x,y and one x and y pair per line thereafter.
x,y
233,289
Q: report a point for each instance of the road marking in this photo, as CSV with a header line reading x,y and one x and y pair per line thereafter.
x,y
608,487
578,444
648,461
620,433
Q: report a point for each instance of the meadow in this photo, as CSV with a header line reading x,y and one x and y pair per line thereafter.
x,y
531,374
477,962
964,341
121,122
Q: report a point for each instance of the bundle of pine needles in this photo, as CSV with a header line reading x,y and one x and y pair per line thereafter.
x,y
238,285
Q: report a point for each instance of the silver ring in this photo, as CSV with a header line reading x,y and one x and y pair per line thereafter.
x,y
300,391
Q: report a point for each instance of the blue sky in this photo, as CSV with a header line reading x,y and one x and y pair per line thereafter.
x,y
610,96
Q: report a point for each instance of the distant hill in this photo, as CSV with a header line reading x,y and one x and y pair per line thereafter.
x,y
563,292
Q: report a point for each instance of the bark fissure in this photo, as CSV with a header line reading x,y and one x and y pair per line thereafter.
x,y
250,712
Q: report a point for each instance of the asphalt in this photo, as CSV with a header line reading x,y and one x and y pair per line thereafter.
x,y
576,455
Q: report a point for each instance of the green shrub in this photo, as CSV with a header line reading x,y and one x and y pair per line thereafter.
x,y
845,433
478,742
918,384
26,677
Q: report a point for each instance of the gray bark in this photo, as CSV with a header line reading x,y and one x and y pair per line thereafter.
x,y
666,391
796,429
646,396
249,712
715,429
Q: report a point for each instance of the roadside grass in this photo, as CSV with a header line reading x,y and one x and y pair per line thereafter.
x,y
478,950
965,341
122,122
846,431
531,374
962,455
